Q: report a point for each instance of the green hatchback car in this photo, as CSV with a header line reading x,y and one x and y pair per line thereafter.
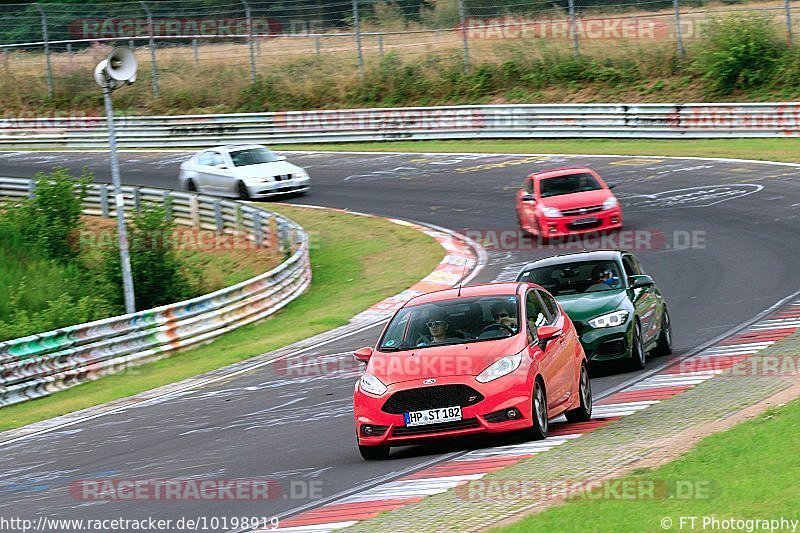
x,y
617,309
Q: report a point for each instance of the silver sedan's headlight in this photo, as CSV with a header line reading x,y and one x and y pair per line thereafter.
x,y
609,320
500,368
301,174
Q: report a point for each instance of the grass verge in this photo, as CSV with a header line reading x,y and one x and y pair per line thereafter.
x,y
356,261
747,472
760,149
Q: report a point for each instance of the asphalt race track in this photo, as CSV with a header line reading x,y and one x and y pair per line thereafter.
x,y
720,239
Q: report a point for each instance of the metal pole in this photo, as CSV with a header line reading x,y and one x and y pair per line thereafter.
x,y
119,201
316,44
788,22
681,51
5,59
380,44
249,21
357,27
463,21
573,22
46,50
194,50
153,64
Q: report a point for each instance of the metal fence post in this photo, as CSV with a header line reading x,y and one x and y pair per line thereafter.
x,y
463,22
137,199
46,40
31,189
788,22
258,230
249,21
5,59
678,34
154,65
573,23
194,50
380,44
357,28
316,44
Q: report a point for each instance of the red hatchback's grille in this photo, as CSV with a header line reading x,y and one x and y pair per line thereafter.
x,y
582,210
432,397
467,423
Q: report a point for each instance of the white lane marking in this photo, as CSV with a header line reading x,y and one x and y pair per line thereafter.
x,y
318,528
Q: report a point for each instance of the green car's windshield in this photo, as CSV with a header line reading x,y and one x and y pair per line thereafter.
x,y
456,321
575,278
253,156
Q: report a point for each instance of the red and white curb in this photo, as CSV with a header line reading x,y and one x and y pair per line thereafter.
x,y
441,477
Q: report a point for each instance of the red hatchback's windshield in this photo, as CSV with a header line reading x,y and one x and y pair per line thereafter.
x,y
452,322
571,183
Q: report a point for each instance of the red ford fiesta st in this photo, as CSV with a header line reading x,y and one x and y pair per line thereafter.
x,y
566,201
484,359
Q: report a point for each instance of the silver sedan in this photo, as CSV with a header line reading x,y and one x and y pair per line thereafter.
x,y
246,171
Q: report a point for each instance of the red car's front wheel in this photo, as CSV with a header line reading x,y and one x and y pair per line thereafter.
x,y
539,428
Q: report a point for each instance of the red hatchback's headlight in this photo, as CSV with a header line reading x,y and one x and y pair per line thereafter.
x,y
550,212
610,203
500,368
371,384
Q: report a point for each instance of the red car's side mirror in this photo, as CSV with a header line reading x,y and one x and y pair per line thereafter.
x,y
362,355
545,333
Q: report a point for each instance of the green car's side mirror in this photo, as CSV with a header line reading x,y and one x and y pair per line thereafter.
x,y
640,281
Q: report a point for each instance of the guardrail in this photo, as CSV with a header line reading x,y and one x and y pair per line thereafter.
x,y
415,123
37,365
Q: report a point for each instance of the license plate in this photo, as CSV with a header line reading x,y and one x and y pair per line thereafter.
x,y
433,416
585,221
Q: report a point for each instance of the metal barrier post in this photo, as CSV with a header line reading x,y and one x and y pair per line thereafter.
x,y
258,230
5,59
573,23
249,21
316,44
218,222
153,64
678,34
104,200
357,28
788,22
194,211
49,70
137,199
463,23
194,50
167,206
380,44
31,189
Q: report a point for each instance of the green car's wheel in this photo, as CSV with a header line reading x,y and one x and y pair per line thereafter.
x,y
664,343
638,358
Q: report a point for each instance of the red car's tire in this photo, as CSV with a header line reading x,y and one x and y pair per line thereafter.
x,y
582,413
540,427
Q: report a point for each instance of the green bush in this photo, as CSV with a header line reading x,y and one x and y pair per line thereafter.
x,y
156,270
738,52
50,220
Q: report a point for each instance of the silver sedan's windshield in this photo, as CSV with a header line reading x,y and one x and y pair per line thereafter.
x,y
252,156
454,321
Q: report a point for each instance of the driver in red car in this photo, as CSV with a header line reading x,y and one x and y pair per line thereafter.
x,y
505,314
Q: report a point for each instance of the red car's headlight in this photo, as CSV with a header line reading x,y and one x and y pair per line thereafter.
x,y
500,368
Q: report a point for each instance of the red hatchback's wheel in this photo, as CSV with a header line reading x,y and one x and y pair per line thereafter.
x,y
584,412
539,428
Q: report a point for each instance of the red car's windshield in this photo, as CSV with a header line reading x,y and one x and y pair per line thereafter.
x,y
568,184
455,321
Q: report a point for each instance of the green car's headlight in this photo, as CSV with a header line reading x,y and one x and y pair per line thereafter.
x,y
609,320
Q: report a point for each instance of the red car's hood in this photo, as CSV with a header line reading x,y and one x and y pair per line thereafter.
x,y
577,199
468,359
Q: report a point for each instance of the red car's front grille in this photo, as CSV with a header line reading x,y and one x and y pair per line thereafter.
x,y
581,210
467,423
432,397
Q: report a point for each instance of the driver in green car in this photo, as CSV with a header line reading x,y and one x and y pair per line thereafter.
x,y
603,279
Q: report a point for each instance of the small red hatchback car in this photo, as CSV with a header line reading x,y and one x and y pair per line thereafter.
x,y
566,201
477,360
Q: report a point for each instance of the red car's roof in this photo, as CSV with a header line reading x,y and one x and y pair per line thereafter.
x,y
487,289
559,172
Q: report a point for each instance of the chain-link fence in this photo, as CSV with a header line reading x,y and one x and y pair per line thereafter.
x,y
56,41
